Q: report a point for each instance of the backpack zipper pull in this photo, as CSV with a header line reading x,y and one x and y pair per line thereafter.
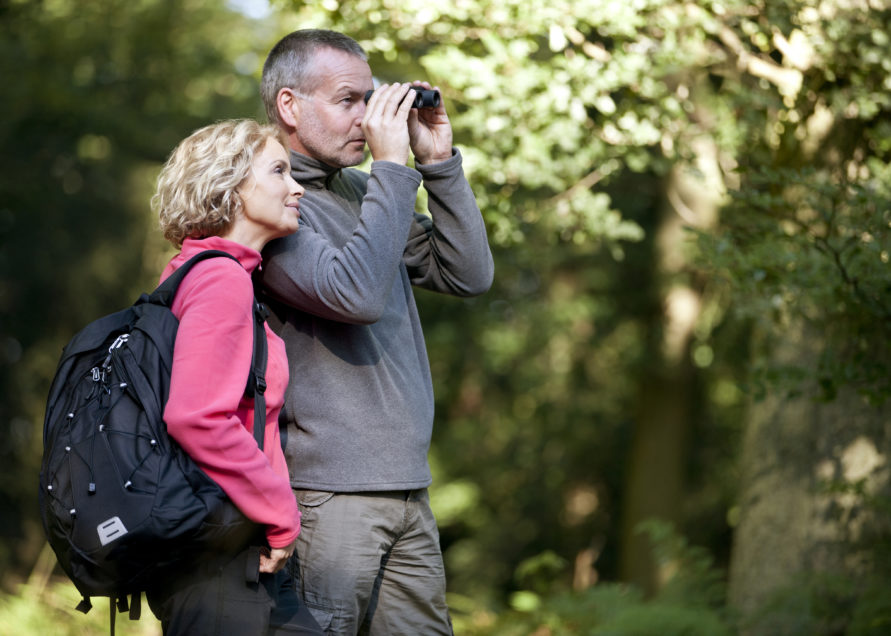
x,y
117,344
100,372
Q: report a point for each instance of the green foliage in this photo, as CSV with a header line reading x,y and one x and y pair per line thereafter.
x,y
51,611
536,574
806,236
526,412
690,604
694,579
655,618
798,246
603,610
872,612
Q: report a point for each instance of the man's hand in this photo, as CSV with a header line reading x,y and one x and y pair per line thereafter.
x,y
274,559
385,123
430,132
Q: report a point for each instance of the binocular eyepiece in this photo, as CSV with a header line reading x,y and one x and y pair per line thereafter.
x,y
424,98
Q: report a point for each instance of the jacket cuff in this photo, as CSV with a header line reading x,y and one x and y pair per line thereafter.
x,y
441,168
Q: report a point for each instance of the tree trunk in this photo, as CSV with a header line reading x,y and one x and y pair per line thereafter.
x,y
797,522
658,454
654,481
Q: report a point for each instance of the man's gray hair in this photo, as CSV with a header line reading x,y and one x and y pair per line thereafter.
x,y
289,64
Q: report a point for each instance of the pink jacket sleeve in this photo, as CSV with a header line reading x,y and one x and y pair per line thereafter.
x,y
205,412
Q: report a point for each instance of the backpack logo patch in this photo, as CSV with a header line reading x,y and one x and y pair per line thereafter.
x,y
111,530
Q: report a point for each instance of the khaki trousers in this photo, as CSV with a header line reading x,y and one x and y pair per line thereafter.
x,y
370,563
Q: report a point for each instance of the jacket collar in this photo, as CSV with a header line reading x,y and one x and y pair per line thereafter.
x,y
311,173
247,256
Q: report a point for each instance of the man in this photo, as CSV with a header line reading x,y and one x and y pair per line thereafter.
x,y
359,412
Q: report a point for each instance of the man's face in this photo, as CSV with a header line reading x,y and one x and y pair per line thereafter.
x,y
329,126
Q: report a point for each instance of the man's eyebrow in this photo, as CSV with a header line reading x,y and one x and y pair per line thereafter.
x,y
347,89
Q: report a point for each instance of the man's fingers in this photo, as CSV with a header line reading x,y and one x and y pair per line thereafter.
x,y
389,100
386,123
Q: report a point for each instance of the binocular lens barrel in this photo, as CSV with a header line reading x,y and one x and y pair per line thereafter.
x,y
424,98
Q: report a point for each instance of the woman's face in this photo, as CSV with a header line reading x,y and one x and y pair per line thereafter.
x,y
270,197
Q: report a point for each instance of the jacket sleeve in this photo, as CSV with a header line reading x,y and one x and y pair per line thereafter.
x,y
449,252
211,362
348,283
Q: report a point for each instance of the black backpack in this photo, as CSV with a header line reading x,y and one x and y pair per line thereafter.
x,y
121,502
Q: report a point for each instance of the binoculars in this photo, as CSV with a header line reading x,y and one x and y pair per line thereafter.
x,y
424,98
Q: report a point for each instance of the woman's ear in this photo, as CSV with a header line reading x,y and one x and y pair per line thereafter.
x,y
288,106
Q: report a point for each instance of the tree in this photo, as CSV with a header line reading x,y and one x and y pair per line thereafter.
x,y
806,245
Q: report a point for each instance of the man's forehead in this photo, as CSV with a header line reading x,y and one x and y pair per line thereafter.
x,y
334,65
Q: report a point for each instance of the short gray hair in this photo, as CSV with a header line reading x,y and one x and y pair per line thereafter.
x,y
289,64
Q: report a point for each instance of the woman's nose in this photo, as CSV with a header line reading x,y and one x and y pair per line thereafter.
x,y
296,188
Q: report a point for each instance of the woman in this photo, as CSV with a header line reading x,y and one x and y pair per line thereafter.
x,y
228,187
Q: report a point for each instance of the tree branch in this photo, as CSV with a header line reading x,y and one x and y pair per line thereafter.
x,y
588,181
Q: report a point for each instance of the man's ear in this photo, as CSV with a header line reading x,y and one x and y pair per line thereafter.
x,y
288,106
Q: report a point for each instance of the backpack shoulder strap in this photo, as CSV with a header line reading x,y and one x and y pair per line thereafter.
x,y
256,384
165,292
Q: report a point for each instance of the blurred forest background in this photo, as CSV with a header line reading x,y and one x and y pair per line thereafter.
x,y
670,415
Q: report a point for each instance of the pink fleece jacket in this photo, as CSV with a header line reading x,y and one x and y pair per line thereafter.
x,y
206,412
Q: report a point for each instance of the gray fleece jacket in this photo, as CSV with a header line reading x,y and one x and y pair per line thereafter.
x,y
358,415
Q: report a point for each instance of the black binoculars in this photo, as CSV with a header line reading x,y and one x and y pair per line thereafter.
x,y
424,97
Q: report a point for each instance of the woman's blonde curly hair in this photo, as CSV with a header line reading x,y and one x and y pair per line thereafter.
x,y
197,188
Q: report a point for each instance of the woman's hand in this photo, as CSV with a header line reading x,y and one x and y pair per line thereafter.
x,y
274,559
